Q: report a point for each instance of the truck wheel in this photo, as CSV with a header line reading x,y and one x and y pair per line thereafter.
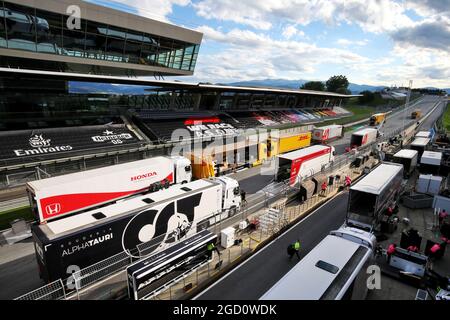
x,y
233,212
166,184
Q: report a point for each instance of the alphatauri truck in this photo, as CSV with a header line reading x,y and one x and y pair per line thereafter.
x,y
153,221
68,194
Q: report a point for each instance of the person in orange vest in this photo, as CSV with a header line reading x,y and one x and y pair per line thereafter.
x,y
390,251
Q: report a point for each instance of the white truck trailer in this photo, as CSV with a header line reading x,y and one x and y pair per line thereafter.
x,y
363,137
327,133
150,222
297,165
408,158
372,195
421,145
68,194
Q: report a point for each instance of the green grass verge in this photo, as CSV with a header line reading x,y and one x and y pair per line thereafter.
x,y
20,213
446,119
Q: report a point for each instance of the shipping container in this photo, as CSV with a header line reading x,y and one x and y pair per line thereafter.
x,y
287,144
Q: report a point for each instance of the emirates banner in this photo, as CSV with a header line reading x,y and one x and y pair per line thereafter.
x,y
51,142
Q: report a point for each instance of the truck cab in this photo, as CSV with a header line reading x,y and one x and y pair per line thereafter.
x,y
182,169
231,194
416,114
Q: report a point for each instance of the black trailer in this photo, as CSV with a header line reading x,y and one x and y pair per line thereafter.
x,y
158,220
154,272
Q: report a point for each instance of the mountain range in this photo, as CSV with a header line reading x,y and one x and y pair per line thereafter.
x,y
83,87
295,84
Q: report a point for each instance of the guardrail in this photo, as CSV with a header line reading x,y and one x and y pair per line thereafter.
x,y
91,275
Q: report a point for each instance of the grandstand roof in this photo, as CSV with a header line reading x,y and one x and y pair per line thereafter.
x,y
161,83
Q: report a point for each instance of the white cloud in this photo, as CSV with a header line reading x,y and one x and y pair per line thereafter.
x,y
429,33
426,8
249,55
153,9
371,15
292,31
346,42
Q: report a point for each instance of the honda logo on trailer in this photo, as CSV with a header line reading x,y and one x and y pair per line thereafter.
x,y
144,176
53,209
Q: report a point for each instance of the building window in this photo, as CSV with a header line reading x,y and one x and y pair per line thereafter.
x,y
20,27
115,44
31,29
2,27
74,43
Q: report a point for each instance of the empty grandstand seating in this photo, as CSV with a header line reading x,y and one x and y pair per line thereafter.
x,y
53,143
159,125
37,121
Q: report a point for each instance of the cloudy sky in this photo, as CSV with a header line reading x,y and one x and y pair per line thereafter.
x,y
377,42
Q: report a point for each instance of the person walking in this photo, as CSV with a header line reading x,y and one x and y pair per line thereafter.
x,y
294,249
390,251
442,215
210,248
348,181
324,188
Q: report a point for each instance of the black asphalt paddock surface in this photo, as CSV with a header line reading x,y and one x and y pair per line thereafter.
x,y
254,277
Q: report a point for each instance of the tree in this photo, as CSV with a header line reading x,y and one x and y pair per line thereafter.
x,y
367,96
314,85
337,82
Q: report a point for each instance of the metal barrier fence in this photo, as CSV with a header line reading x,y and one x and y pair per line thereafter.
x,y
52,291
101,270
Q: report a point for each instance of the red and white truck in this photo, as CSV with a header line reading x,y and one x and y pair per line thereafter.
x,y
328,133
298,165
363,137
68,194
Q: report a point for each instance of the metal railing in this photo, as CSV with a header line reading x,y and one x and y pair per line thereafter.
x,y
52,291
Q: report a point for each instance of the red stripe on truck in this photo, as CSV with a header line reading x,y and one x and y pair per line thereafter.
x,y
59,205
297,163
